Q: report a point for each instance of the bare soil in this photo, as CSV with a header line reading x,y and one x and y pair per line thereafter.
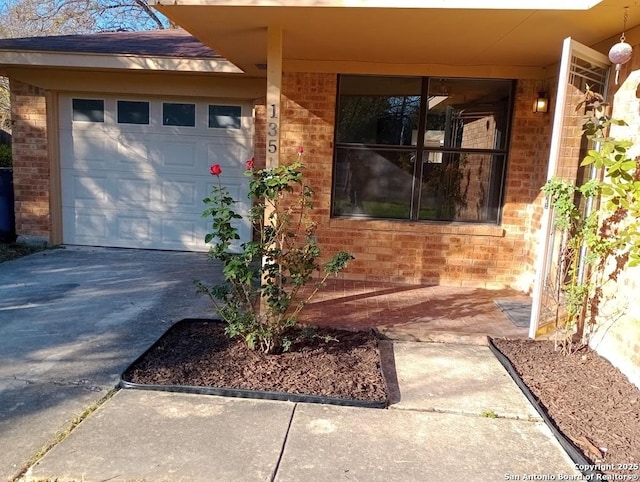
x,y
325,362
9,251
591,402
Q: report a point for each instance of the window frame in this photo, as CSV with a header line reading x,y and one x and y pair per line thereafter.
x,y
164,103
120,102
88,120
420,149
234,106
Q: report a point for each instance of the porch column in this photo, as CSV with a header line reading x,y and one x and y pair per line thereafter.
x,y
274,85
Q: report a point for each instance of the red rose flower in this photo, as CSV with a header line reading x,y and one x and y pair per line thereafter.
x,y
216,170
300,150
249,164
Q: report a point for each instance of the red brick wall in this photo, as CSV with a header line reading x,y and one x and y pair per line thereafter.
x,y
456,254
447,253
260,129
476,171
526,174
30,160
308,112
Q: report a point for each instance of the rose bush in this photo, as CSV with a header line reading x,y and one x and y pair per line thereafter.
x,y
260,298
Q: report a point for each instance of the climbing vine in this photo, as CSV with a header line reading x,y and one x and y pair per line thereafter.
x,y
596,244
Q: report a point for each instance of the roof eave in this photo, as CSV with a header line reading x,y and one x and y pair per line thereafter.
x,y
47,59
422,4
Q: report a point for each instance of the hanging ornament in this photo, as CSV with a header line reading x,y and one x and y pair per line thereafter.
x,y
621,52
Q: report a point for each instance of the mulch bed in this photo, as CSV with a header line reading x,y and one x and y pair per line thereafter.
x,y
591,402
199,354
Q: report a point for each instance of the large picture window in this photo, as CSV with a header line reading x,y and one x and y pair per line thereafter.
x,y
421,148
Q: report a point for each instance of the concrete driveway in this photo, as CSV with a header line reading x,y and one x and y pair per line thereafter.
x,y
71,320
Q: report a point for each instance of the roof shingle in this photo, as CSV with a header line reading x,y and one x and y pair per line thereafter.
x,y
152,43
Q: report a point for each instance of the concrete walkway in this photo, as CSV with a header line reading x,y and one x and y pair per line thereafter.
x,y
442,428
71,320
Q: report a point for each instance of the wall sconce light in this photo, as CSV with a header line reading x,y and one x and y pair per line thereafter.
x,y
541,104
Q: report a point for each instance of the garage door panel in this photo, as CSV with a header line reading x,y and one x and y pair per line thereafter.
x,y
84,190
139,186
91,150
176,155
133,228
228,153
180,194
181,232
238,190
153,230
91,226
132,153
132,192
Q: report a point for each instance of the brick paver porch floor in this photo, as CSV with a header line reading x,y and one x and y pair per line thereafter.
x,y
414,312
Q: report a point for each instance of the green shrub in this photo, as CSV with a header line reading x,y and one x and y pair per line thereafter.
x,y
260,297
606,239
5,156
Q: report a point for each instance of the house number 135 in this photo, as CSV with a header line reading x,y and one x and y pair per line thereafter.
x,y
272,130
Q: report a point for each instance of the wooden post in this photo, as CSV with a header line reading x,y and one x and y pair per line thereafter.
x,y
274,85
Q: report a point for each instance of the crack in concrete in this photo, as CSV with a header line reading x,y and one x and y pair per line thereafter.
x,y
81,383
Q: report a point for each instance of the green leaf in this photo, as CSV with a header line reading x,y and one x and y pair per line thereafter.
x,y
606,191
588,160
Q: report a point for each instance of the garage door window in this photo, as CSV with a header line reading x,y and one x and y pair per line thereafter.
x,y
132,112
88,110
181,115
224,116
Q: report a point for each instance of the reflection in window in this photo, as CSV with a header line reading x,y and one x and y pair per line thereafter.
x,y
459,187
133,112
469,113
373,182
181,115
225,116
387,115
387,165
88,110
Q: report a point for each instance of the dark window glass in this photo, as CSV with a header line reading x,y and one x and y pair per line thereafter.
x,y
183,115
452,171
461,186
373,182
469,113
225,116
378,110
88,110
133,112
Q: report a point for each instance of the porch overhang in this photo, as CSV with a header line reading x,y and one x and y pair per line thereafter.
x,y
451,38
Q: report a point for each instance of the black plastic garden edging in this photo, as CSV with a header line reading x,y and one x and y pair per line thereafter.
x,y
236,392
582,463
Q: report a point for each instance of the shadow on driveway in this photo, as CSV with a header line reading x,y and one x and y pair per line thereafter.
x,y
71,320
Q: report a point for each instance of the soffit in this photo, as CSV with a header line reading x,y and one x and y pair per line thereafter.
x,y
524,38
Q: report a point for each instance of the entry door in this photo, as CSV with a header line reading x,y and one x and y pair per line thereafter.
x,y
580,67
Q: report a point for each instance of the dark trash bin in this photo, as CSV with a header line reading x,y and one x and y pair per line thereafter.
x,y
7,216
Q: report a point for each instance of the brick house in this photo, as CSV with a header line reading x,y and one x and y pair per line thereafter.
x,y
416,121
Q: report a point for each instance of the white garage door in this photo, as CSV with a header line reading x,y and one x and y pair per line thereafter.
x,y
134,172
